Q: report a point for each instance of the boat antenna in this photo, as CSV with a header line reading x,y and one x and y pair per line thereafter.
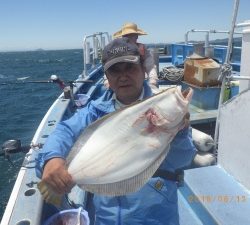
x,y
225,71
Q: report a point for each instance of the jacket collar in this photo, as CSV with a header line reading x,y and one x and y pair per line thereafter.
x,y
106,103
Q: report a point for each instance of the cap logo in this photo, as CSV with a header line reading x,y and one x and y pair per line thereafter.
x,y
119,50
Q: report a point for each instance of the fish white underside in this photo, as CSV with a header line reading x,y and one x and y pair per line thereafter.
x,y
117,155
129,152
127,185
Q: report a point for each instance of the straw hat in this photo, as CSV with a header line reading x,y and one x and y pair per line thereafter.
x,y
129,28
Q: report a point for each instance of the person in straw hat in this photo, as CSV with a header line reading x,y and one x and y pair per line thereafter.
x,y
131,31
129,28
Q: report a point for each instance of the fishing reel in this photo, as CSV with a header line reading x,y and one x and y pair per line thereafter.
x,y
55,79
11,147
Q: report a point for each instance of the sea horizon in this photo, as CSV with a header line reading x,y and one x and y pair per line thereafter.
x,y
215,41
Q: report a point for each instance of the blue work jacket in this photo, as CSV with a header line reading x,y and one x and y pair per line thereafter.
x,y
156,202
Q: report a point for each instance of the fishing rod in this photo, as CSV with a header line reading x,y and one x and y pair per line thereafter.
x,y
53,79
26,82
11,147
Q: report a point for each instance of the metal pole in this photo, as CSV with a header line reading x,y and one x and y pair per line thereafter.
x,y
230,40
186,38
95,49
84,58
95,44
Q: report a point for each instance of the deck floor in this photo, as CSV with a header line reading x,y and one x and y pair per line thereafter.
x,y
198,115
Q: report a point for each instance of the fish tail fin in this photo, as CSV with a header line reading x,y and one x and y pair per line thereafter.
x,y
48,194
187,94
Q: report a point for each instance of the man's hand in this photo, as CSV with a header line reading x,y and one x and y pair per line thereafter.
x,y
187,116
187,119
57,177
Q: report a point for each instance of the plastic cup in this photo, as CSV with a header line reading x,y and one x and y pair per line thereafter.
x,y
69,217
82,99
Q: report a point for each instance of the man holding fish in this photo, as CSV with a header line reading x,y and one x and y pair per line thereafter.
x,y
140,193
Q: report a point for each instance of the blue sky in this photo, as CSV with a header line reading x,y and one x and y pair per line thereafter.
x,y
62,24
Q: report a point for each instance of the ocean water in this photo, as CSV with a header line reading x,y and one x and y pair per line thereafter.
x,y
22,106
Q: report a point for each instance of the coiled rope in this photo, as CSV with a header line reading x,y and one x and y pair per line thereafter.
x,y
171,73
225,71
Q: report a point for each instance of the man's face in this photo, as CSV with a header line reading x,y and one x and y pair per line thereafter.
x,y
132,37
126,80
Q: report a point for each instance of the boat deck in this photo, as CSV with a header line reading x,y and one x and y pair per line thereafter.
x,y
204,200
198,115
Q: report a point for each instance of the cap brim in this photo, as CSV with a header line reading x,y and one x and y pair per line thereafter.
x,y
128,59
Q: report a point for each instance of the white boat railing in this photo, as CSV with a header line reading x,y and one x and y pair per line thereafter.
x,y
92,48
207,45
244,64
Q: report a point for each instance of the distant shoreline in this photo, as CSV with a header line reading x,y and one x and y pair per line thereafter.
x,y
237,42
39,50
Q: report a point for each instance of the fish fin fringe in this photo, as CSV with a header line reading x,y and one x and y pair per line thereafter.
x,y
129,185
48,194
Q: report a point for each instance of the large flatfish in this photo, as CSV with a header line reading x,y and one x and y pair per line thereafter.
x,y
118,153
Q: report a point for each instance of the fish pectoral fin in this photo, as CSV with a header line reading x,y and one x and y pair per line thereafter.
x,y
188,93
48,194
